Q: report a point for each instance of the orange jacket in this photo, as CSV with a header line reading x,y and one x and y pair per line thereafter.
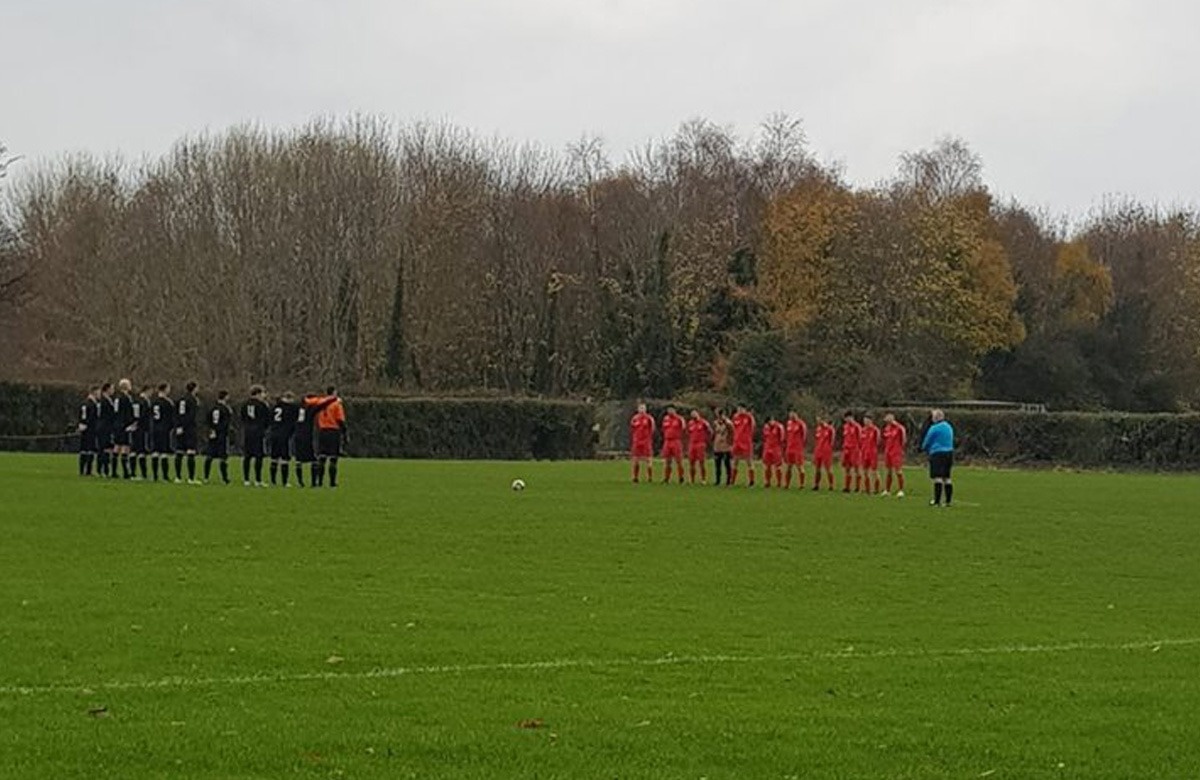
x,y
333,416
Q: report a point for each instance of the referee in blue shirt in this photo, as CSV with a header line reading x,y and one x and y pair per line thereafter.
x,y
939,445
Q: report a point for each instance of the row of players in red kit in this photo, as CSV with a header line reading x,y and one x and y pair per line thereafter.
x,y
783,449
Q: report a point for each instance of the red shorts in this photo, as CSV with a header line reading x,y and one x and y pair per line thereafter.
x,y
742,451
772,457
870,460
696,454
850,459
672,449
823,460
795,457
641,449
894,460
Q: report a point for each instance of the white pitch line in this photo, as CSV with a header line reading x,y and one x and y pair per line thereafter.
x,y
588,663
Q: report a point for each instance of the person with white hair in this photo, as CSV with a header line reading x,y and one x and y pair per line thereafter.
x,y
938,444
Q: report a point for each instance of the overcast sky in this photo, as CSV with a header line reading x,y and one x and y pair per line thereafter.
x,y
1067,101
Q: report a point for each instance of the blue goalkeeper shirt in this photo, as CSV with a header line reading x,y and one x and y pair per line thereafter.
x,y
939,438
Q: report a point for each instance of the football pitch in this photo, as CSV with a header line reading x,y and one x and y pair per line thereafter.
x,y
424,620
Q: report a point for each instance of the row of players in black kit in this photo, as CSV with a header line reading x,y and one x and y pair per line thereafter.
x,y
129,436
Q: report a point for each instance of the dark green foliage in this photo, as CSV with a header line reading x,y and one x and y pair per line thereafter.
x,y
500,428
758,373
490,429
42,417
1151,441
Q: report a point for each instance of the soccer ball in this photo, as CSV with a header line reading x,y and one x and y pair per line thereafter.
x,y
518,485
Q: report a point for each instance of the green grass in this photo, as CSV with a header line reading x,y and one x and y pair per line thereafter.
x,y
688,633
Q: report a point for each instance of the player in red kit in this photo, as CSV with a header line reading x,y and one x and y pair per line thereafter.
x,y
672,450
869,454
743,443
773,435
851,440
641,443
895,439
823,452
699,435
793,454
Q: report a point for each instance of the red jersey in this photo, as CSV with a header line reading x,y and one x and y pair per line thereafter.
x,y
797,435
743,431
869,442
672,428
895,437
772,435
699,434
824,437
641,428
851,436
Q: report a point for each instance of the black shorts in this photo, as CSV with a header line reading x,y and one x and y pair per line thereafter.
x,y
87,441
252,445
218,447
280,449
940,465
329,443
104,438
121,437
160,442
185,441
302,444
139,442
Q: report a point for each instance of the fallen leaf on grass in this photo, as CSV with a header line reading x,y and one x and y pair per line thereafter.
x,y
98,712
334,659
531,723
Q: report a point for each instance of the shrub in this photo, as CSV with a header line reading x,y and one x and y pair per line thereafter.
x,y
497,428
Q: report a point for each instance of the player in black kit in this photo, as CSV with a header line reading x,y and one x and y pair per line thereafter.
x,y
162,422
140,444
283,426
122,432
302,440
89,420
219,418
255,417
186,411
104,431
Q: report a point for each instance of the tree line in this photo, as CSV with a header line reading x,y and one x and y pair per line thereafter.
x,y
427,260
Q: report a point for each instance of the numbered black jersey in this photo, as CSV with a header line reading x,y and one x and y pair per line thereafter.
x,y
219,419
283,419
256,416
89,414
162,414
139,413
185,412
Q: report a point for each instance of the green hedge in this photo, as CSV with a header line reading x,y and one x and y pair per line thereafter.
x,y
516,429
496,428
1100,440
43,417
